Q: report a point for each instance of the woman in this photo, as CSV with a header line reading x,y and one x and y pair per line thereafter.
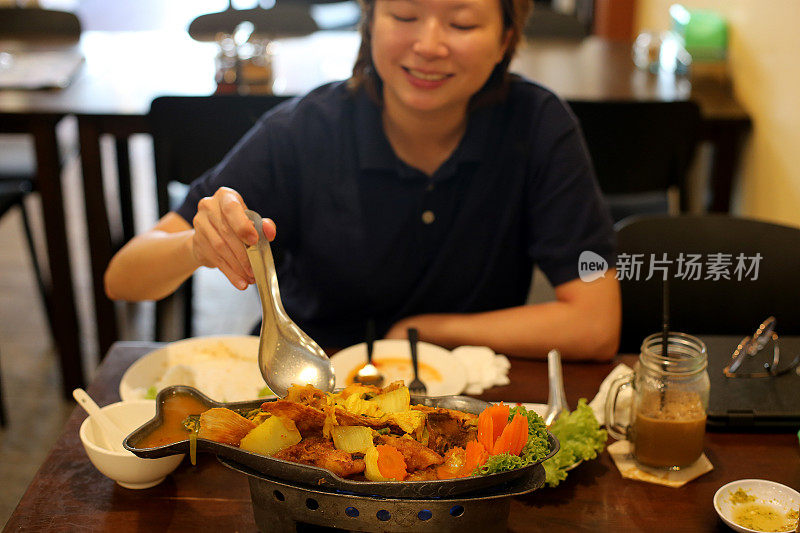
x,y
418,193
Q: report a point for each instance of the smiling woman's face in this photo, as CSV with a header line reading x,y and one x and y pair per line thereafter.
x,y
434,55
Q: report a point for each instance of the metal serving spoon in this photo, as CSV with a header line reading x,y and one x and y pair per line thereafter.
x,y
286,355
557,398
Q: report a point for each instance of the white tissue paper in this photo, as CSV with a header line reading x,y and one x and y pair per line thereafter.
x,y
485,369
598,404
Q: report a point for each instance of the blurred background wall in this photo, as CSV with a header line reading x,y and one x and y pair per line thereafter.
x,y
763,57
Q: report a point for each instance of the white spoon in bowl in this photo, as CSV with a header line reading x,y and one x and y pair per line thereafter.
x,y
109,432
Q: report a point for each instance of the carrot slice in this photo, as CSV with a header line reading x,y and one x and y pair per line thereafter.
x,y
475,456
491,423
391,463
522,435
486,429
513,437
453,464
499,414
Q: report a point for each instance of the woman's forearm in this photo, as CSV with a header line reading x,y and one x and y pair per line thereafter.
x,y
583,324
151,266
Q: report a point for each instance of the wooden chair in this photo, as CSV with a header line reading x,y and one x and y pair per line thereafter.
x,y
709,305
640,151
190,136
17,152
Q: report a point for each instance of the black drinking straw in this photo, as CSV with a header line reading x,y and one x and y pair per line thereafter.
x,y
665,316
664,333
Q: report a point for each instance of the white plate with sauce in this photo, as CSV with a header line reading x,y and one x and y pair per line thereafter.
x,y
442,372
225,368
750,503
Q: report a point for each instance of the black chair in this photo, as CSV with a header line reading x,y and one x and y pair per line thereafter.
x,y
640,151
190,136
708,306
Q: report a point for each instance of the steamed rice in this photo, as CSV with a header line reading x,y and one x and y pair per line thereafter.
x,y
217,371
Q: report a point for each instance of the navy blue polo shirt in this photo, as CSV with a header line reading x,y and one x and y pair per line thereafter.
x,y
362,234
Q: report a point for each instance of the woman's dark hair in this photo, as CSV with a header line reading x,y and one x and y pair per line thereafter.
x,y
515,14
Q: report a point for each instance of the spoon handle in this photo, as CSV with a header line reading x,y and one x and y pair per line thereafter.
x,y
557,398
370,339
260,255
110,433
413,338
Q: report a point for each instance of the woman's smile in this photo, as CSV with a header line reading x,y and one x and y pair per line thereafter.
x,y
425,79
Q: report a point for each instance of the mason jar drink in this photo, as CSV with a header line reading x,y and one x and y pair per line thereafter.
x,y
669,402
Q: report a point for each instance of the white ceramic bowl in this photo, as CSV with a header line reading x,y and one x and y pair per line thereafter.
x,y
781,497
124,467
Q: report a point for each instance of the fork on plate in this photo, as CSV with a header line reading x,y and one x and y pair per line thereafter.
x,y
416,386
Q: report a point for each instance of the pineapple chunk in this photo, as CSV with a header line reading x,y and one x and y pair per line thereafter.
x,y
271,436
394,401
352,439
409,421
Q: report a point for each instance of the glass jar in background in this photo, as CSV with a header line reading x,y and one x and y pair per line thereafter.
x,y
225,63
245,68
255,67
669,402
646,50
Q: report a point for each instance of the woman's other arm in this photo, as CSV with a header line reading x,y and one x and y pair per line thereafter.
x,y
154,264
583,323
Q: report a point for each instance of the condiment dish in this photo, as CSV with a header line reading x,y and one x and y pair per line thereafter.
x,y
765,495
124,467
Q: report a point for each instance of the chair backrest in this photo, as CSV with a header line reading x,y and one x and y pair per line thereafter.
x,y
761,261
639,147
33,22
193,133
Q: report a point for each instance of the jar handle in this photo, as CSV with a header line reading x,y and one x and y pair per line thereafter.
x,y
618,385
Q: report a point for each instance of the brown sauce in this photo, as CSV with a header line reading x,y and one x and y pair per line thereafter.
x,y
763,517
669,432
174,410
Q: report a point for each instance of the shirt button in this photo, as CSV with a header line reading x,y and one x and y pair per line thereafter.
x,y
429,188
428,217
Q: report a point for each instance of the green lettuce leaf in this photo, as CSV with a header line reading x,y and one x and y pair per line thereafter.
x,y
581,440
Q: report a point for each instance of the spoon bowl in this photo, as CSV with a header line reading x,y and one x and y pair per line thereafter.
x,y
286,355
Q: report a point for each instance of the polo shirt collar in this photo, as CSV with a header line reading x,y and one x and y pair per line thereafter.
x,y
375,152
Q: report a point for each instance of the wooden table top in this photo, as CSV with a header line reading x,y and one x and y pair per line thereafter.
x,y
68,494
124,71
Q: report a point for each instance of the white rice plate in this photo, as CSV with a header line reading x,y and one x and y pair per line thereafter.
x,y
214,368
